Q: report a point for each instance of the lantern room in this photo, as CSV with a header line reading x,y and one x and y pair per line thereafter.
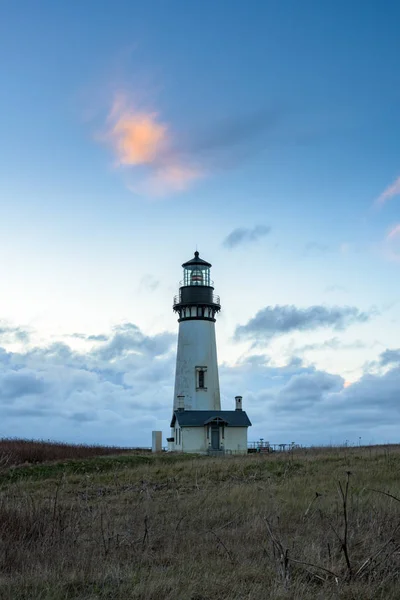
x,y
196,272
196,298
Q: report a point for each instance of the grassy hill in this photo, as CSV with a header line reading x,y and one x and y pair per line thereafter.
x,y
312,524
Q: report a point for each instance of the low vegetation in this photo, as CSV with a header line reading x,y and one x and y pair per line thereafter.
x,y
15,452
303,525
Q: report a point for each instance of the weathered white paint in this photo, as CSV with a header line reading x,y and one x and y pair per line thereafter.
x,y
197,348
194,440
235,440
156,441
177,435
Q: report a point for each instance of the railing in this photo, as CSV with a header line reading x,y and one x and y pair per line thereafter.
x,y
263,446
214,300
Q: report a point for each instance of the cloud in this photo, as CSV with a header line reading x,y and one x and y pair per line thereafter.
x,y
234,132
315,249
141,141
332,344
306,389
128,338
278,320
323,400
102,395
391,191
335,288
10,334
390,357
84,416
379,391
159,160
174,177
394,232
149,283
138,138
310,406
119,390
391,244
241,235
101,337
19,383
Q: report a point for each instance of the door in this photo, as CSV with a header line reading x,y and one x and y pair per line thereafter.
x,y
215,436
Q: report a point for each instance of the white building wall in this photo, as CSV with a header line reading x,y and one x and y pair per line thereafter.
x,y
235,440
194,439
197,348
176,433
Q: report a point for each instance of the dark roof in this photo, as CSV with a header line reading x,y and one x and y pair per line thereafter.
x,y
196,261
199,418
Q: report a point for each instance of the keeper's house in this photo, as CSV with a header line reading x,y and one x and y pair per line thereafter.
x,y
210,431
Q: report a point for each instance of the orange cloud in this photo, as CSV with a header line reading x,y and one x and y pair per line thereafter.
x,y
138,138
177,176
347,384
166,180
390,192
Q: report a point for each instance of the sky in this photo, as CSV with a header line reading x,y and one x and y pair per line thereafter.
x,y
266,135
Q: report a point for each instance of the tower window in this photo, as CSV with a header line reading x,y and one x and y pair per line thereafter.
x,y
201,378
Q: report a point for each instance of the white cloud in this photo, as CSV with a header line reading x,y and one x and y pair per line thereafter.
x,y
121,389
243,235
99,396
277,320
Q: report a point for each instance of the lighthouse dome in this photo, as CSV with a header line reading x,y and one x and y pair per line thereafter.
x,y
196,261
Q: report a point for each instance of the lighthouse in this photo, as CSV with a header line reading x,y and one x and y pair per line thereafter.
x,y
196,375
198,423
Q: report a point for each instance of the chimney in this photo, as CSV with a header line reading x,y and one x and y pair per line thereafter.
x,y
238,400
181,403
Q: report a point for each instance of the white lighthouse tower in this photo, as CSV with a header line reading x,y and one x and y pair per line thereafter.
x,y
196,375
198,424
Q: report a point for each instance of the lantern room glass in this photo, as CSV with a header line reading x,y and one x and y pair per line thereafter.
x,y
196,275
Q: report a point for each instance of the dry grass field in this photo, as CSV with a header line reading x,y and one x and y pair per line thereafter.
x,y
319,524
16,452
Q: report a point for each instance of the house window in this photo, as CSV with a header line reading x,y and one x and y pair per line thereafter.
x,y
201,378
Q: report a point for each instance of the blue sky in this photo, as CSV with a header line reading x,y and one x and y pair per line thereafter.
x,y
132,131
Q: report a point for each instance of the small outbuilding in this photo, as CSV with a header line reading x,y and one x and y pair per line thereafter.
x,y
210,431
